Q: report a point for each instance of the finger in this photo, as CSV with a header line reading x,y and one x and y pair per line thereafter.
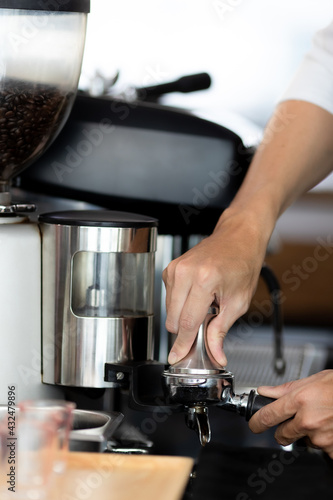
x,y
288,432
177,291
273,414
192,315
216,332
218,328
283,389
277,391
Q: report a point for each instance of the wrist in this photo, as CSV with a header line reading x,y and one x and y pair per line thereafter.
x,y
255,222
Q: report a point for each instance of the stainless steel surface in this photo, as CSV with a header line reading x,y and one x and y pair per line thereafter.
x,y
77,356
92,430
199,360
197,419
197,379
305,353
77,343
234,402
13,208
129,439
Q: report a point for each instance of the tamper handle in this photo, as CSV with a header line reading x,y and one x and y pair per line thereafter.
x,y
255,402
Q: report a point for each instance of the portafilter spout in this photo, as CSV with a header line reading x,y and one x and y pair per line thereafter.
x,y
198,381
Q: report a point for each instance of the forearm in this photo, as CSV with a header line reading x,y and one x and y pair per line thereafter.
x,y
296,153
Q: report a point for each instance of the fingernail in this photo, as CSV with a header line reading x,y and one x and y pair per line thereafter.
x,y
173,358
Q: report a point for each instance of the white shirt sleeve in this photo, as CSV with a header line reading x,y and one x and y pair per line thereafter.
x,y
313,81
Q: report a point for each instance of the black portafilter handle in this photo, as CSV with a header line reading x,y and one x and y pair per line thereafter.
x,y
185,84
256,402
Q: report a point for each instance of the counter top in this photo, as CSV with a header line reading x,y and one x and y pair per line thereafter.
x,y
98,476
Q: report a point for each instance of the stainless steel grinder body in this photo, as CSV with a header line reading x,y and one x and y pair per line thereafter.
x,y
97,293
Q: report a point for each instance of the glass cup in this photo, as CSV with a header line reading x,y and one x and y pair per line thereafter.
x,y
27,457
58,414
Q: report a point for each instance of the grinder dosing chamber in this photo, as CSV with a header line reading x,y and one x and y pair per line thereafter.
x,y
97,299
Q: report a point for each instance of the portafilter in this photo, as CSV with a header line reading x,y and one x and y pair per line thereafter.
x,y
198,381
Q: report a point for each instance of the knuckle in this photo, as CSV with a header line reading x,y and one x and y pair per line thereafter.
x,y
171,326
187,323
303,397
205,274
169,273
218,335
307,424
281,439
266,417
242,306
318,440
165,275
180,270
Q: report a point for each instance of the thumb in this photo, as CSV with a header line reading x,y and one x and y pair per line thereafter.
x,y
216,333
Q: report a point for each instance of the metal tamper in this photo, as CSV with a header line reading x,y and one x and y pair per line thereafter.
x,y
198,381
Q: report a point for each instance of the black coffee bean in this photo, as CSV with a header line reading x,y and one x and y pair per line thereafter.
x,y
30,116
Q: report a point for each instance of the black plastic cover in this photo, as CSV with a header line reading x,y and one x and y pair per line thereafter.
x,y
48,5
98,218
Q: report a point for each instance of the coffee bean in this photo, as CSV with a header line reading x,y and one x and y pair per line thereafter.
x,y
30,116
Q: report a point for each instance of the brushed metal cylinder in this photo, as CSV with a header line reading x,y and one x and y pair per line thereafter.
x,y
77,342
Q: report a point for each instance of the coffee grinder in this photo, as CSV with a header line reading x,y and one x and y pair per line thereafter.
x,y
98,289
42,45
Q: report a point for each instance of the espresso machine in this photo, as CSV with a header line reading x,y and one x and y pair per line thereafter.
x,y
40,63
83,280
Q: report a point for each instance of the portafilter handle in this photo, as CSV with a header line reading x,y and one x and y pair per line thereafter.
x,y
256,402
246,404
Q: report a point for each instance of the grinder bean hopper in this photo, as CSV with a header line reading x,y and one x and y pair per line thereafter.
x,y
42,46
42,43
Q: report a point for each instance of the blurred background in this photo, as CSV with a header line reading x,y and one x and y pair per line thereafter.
x,y
250,49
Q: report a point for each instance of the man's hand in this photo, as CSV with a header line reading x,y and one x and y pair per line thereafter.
x,y
304,408
223,268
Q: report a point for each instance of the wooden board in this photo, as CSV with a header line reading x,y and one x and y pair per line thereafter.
x,y
98,476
